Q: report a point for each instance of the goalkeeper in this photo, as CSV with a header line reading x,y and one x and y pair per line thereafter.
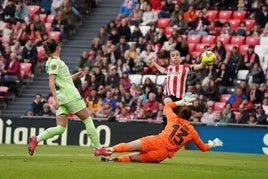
x,y
156,148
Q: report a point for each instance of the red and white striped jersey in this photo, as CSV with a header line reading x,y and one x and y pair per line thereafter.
x,y
176,80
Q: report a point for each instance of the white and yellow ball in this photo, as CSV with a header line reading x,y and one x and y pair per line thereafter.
x,y
208,58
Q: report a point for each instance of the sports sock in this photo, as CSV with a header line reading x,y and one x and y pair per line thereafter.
x,y
91,132
50,132
122,147
124,158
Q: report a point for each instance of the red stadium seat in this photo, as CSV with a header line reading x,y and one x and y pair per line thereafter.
x,y
239,15
252,40
168,31
229,47
200,47
212,15
33,9
225,39
43,18
235,23
48,27
224,97
194,39
250,23
163,22
209,39
219,106
238,40
50,18
3,96
25,70
243,49
191,47
40,53
54,35
225,15
195,54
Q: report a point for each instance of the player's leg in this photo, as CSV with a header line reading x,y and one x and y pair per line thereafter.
x,y
62,121
135,145
82,112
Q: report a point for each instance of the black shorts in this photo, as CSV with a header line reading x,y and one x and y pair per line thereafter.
x,y
173,98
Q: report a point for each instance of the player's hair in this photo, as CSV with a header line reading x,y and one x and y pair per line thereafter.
x,y
185,112
163,54
50,46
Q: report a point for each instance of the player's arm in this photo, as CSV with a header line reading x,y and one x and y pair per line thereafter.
x,y
77,75
205,147
196,67
52,87
158,67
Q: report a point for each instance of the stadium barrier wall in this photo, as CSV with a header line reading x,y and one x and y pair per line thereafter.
x,y
236,138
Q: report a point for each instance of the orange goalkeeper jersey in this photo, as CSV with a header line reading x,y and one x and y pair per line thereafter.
x,y
179,131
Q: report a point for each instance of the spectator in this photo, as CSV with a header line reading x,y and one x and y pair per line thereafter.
x,y
100,77
199,25
147,55
96,44
82,61
256,75
219,51
110,99
84,89
236,98
227,113
167,9
22,13
56,4
122,46
136,34
94,102
126,8
239,118
250,58
105,111
265,31
129,101
68,12
190,15
197,111
19,31
151,106
219,120
159,93
124,30
180,24
103,35
170,44
224,76
156,4
175,14
149,16
182,46
242,29
7,34
8,13
252,120
12,73
29,54
227,30
60,24
38,103
113,78
46,112
264,105
212,91
261,16
124,115
125,81
236,57
255,95
39,25
208,117
136,15
33,34
184,5
46,6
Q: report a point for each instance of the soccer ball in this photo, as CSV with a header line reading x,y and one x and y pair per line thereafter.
x,y
208,58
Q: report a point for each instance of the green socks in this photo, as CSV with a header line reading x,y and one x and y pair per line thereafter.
x,y
50,132
91,132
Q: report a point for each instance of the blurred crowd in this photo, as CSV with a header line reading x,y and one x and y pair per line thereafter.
x,y
121,49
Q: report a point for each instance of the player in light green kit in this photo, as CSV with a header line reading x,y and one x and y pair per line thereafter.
x,y
67,99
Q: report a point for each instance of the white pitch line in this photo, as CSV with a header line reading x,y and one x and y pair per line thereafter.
x,y
46,155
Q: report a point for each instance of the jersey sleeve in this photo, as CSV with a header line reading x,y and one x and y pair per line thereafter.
x,y
169,112
53,67
198,141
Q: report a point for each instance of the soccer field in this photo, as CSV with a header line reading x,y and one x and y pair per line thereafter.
x,y
79,162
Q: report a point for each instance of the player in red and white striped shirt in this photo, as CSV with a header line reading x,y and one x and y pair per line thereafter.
x,y
177,73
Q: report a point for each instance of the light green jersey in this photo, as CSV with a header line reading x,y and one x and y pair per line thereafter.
x,y
65,89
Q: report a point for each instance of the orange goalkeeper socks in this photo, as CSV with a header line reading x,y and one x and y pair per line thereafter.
x,y
122,147
124,158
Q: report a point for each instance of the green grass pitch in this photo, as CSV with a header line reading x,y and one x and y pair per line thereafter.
x,y
79,162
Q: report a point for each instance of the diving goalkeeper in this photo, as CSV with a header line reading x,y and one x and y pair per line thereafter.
x,y
156,148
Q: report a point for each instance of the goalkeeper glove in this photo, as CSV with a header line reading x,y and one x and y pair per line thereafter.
x,y
186,100
215,143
